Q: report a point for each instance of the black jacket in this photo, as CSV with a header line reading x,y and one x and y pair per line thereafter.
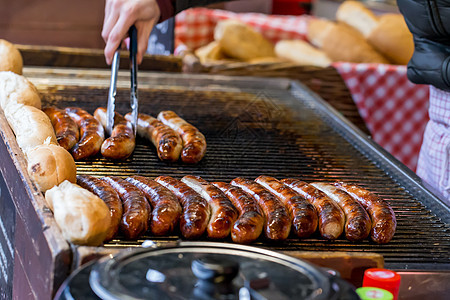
x,y
429,22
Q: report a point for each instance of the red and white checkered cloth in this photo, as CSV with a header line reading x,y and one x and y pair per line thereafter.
x,y
394,109
434,159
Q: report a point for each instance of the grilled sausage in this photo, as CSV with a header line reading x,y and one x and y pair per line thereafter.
x,y
167,142
121,143
381,213
91,132
249,225
331,217
196,211
136,210
194,142
357,224
278,222
166,207
66,129
302,213
223,213
109,195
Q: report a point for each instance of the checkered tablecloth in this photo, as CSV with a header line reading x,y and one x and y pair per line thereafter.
x,y
394,109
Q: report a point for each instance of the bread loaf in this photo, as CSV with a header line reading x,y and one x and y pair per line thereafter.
x,y
83,217
17,89
31,126
10,58
238,40
302,53
343,43
211,51
356,15
392,38
49,165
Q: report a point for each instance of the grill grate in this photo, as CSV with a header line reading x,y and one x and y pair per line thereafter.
x,y
250,133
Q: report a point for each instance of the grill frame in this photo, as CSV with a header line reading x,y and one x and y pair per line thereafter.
x,y
298,92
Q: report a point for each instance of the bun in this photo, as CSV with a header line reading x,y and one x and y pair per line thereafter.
x,y
318,30
83,217
17,89
356,15
393,39
10,58
302,53
211,51
49,165
238,40
343,43
31,126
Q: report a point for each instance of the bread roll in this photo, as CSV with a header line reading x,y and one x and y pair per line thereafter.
x,y
31,126
343,43
17,89
10,58
318,30
356,15
240,41
83,217
302,53
49,165
211,51
392,38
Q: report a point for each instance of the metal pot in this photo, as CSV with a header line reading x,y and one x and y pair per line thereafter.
x,y
203,270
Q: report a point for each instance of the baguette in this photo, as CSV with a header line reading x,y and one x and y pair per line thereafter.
x,y
10,58
356,15
301,53
83,218
392,38
17,89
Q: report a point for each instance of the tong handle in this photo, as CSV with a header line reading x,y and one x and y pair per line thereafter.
x,y
132,32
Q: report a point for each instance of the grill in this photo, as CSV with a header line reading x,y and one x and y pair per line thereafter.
x,y
273,127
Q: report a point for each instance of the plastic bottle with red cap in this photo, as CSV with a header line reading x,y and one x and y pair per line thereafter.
x,y
383,279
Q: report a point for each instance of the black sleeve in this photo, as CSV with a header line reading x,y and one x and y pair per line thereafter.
x,y
428,21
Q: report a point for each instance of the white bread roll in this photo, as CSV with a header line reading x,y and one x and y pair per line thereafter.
x,y
17,89
392,38
302,53
10,58
49,165
83,217
356,15
31,126
238,40
343,43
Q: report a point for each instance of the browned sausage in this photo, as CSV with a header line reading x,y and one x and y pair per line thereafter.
x,y
194,142
357,223
136,209
109,195
303,214
381,213
167,142
250,223
278,221
66,129
196,211
166,207
121,143
331,217
91,132
223,213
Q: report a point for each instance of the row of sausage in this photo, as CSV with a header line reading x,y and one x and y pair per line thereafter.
x,y
242,208
83,134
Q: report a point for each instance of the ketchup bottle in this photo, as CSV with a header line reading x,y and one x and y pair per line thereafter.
x,y
382,278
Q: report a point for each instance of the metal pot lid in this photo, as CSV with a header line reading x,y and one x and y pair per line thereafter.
x,y
206,270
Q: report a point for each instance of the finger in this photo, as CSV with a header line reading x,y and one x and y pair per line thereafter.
x,y
118,33
108,25
143,29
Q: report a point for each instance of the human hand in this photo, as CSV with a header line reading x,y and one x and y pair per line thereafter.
x,y
120,15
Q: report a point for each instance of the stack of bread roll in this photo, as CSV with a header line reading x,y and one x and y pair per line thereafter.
x,y
83,217
357,35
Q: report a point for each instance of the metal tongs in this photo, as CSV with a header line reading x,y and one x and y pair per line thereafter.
x,y
113,84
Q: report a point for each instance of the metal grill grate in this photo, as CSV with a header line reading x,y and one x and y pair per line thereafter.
x,y
271,132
